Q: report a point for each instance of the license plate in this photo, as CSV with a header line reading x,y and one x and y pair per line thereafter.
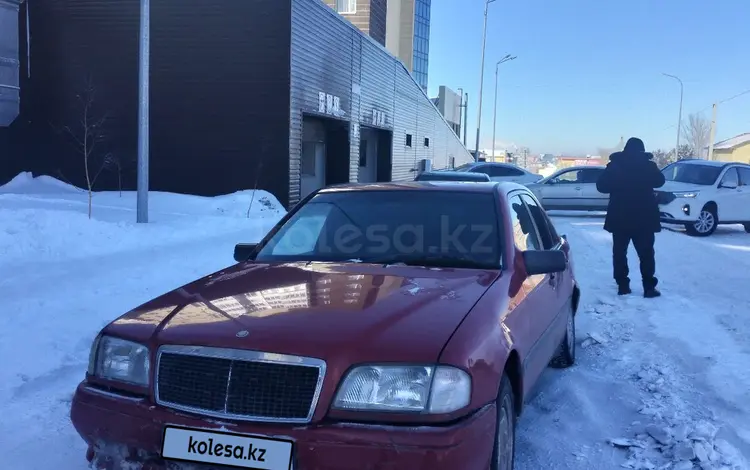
x,y
225,448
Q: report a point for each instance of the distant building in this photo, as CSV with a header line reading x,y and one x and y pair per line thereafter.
x,y
408,35
402,26
736,149
367,15
448,103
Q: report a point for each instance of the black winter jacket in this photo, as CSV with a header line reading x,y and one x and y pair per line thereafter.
x,y
630,179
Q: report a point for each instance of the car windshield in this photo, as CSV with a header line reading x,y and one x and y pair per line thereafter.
x,y
693,173
415,227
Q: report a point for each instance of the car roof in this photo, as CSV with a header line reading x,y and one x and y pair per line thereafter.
x,y
716,163
582,167
458,174
488,187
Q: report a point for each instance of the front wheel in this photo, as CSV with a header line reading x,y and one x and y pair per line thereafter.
x,y
504,452
566,351
706,223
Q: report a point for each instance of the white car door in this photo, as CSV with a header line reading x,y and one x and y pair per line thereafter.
x,y
561,192
744,194
590,197
728,196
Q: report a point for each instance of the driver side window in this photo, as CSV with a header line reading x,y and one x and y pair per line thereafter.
x,y
731,178
568,177
302,233
524,230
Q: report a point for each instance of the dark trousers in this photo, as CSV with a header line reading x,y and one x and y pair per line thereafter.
x,y
644,246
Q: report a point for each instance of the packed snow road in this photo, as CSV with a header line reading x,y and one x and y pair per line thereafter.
x,y
659,383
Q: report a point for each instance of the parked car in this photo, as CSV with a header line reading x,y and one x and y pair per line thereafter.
x,y
701,194
501,172
443,175
572,188
399,325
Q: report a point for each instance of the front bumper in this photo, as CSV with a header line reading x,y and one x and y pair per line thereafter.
x,y
680,211
119,429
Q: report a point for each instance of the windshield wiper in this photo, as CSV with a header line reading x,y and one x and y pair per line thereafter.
x,y
430,261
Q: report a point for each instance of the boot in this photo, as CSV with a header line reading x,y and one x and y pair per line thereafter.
x,y
623,289
651,293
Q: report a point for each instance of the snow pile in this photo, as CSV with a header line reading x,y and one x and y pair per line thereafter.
x,y
44,219
26,183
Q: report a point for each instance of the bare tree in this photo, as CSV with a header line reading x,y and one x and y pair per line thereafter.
x,y
662,158
87,134
697,133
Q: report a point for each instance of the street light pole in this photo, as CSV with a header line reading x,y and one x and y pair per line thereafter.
x,y
481,78
494,112
679,116
143,112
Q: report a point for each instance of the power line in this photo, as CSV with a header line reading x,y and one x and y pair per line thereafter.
x,y
672,126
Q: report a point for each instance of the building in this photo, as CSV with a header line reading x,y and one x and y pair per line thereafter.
x,y
408,35
282,95
449,104
736,149
9,61
367,15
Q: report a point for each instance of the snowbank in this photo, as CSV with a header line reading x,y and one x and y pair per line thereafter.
x,y
44,219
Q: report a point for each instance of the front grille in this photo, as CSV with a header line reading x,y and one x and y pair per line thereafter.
x,y
664,197
238,384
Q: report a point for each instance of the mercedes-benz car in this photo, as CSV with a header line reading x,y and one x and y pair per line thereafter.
x,y
383,325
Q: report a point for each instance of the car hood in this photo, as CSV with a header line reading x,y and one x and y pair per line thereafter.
x,y
343,313
676,186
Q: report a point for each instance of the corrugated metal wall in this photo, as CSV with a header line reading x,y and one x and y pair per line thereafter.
x,y
219,92
331,56
9,95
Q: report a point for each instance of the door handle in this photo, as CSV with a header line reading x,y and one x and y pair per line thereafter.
x,y
578,188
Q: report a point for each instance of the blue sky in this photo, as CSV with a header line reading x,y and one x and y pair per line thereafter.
x,y
589,71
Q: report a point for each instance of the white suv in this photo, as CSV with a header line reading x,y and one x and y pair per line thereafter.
x,y
700,194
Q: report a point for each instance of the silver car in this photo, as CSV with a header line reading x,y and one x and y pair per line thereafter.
x,y
501,172
572,188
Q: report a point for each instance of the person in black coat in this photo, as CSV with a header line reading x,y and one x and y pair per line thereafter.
x,y
633,213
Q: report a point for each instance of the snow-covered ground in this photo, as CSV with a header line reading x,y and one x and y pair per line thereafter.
x,y
659,384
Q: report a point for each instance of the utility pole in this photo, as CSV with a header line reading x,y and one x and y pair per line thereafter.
x,y
143,112
481,78
713,133
494,112
461,113
679,116
466,116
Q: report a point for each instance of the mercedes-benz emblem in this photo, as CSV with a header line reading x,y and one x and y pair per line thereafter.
x,y
242,334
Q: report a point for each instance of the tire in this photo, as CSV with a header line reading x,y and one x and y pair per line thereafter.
x,y
565,356
504,451
747,227
706,224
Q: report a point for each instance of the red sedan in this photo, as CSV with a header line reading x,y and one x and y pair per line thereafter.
x,y
377,326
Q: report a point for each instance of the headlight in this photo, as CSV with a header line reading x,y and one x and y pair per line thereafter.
x,y
119,360
689,194
430,389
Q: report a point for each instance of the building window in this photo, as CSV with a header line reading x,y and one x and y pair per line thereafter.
x,y
426,141
408,140
346,7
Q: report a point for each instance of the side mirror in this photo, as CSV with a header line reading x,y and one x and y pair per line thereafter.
x,y
243,251
564,237
552,181
544,262
730,185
